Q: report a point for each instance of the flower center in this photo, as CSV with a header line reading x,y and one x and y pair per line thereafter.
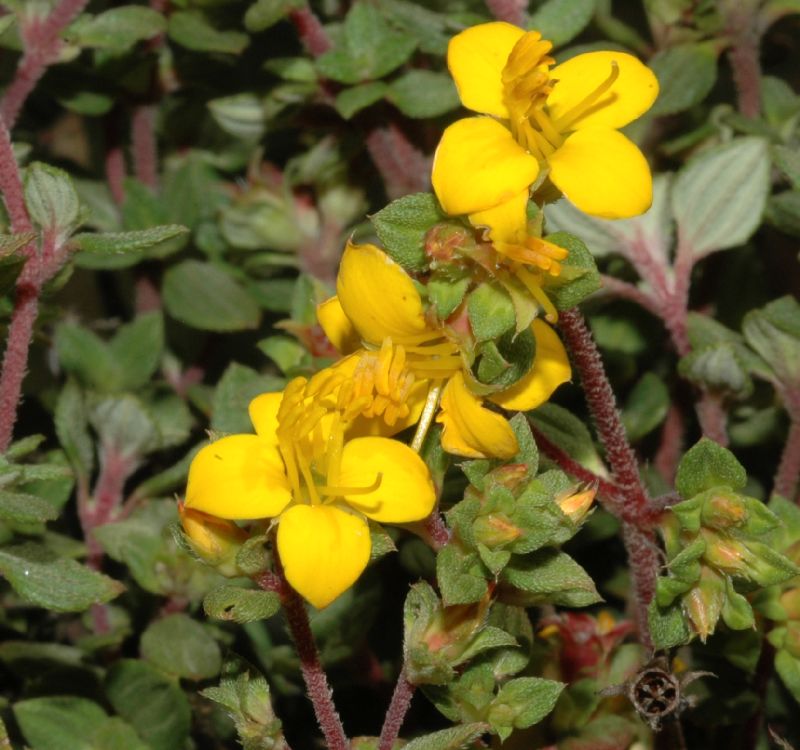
x,y
526,86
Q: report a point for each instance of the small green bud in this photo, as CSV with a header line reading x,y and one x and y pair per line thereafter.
x,y
723,510
703,604
495,530
213,539
790,601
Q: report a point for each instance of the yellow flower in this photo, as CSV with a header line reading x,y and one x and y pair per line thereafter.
x,y
378,303
321,487
565,119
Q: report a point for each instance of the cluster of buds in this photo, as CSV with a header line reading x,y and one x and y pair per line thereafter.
x,y
511,513
712,541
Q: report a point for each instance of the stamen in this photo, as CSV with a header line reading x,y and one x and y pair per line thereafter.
x,y
534,287
548,129
330,491
568,119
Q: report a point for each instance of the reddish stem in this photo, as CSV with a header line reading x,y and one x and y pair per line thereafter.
x,y
788,473
670,449
11,187
312,34
15,359
512,11
603,408
607,492
115,173
313,674
436,529
639,542
144,145
398,708
41,49
745,27
622,289
403,167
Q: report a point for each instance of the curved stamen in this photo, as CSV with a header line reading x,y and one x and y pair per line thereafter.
x,y
331,491
533,285
568,119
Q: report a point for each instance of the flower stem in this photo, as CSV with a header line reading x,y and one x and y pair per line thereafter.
x,y
398,708
788,473
144,146
638,539
313,674
511,11
312,34
41,49
403,167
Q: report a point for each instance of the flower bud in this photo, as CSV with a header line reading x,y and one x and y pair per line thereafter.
x,y
723,510
790,601
726,554
791,641
495,530
443,242
213,539
703,604
576,505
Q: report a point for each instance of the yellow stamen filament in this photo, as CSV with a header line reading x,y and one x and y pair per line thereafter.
x,y
329,490
568,119
533,285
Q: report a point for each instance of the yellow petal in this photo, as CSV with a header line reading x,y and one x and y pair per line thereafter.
x,y
476,58
507,222
470,429
323,551
631,95
478,164
238,477
263,411
603,174
405,492
337,326
378,296
550,369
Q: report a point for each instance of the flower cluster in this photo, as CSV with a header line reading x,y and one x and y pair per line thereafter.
x,y
430,346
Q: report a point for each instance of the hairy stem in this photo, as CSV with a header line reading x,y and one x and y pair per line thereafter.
x,y
398,708
638,539
144,146
42,46
788,474
313,674
603,408
312,34
511,11
403,167
745,28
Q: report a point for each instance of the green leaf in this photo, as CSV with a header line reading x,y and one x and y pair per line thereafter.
x,y
130,243
39,576
116,733
568,432
560,21
63,722
718,368
237,387
241,115
265,13
181,646
490,310
646,407
117,29
367,47
51,199
455,738
140,542
707,464
151,702
245,695
402,226
137,349
72,428
579,275
286,353
191,29
203,296
124,425
788,668
423,93
523,702
353,100
85,355
686,74
718,197
237,604
783,212
460,574
788,161
22,508
774,332
547,576
668,627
